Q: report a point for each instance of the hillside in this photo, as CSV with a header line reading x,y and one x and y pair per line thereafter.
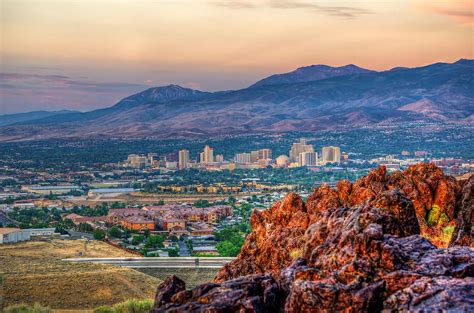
x,y
369,246
290,102
33,272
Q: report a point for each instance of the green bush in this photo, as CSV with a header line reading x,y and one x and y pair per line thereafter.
x,y
433,215
99,234
129,306
23,308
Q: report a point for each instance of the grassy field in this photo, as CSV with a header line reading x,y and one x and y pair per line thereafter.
x,y
33,272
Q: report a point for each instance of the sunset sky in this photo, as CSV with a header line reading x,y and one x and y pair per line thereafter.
x,y
81,55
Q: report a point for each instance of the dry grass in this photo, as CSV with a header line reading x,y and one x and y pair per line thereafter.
x,y
33,272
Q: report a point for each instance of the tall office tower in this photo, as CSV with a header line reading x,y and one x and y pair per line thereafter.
x,y
331,154
207,156
299,147
308,159
152,158
183,158
254,156
162,160
264,154
242,158
219,158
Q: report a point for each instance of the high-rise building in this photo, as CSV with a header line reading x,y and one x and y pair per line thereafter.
x,y
183,159
331,154
264,154
308,159
219,158
254,156
207,156
242,158
299,147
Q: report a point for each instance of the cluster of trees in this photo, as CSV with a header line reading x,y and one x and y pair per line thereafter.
x,y
231,238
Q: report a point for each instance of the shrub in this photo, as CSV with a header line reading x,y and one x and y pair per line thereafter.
x,y
448,233
23,308
129,306
134,306
433,215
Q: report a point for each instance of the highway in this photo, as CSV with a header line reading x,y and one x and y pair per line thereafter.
x,y
159,262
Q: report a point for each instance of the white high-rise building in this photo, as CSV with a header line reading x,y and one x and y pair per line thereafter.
x,y
264,154
242,158
308,159
207,156
299,147
183,159
331,154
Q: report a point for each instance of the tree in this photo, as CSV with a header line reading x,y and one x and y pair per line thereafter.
x,y
227,248
154,241
85,227
137,239
173,252
99,234
116,232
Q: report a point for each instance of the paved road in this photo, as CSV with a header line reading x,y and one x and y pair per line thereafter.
x,y
159,262
183,249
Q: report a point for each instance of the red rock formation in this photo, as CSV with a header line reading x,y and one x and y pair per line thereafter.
x,y
356,248
464,232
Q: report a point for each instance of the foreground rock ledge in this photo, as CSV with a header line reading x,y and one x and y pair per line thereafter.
x,y
355,248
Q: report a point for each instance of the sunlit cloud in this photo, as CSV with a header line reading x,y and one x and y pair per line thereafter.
x,y
313,6
461,11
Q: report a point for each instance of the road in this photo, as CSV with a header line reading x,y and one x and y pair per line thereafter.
x,y
159,262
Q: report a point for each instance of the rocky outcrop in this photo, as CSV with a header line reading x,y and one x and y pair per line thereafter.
x,y
464,232
356,248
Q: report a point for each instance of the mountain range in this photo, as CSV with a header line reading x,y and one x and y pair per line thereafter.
x,y
308,99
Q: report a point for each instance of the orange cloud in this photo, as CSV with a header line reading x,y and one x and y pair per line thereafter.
x,y
460,10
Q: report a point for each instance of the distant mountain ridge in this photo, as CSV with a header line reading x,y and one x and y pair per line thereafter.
x,y
311,73
9,119
308,99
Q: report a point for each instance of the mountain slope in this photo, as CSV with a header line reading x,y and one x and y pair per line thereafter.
x,y
9,119
439,91
311,73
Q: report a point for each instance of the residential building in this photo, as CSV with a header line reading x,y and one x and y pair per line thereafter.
x,y
138,223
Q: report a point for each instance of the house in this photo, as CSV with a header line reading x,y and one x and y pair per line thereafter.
x,y
173,224
75,218
115,216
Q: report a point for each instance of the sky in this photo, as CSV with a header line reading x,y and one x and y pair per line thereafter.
x,y
87,54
